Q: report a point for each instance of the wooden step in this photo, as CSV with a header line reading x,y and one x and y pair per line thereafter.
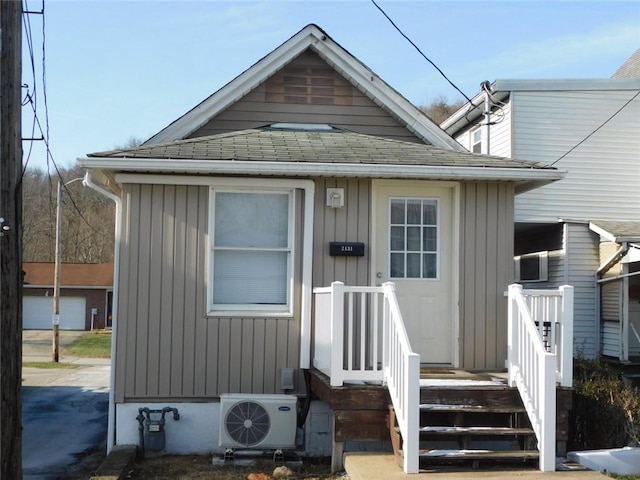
x,y
454,408
480,454
484,431
479,431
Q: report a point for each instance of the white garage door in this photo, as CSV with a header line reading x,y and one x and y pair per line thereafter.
x,y
37,312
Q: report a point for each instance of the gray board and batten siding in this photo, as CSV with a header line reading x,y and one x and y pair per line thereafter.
x,y
170,350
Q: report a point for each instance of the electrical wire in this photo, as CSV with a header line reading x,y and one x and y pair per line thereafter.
x,y
594,131
421,53
59,174
30,96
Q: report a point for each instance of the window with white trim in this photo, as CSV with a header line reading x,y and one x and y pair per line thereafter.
x,y
476,140
251,249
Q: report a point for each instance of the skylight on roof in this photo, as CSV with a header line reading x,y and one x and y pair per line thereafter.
x,y
306,127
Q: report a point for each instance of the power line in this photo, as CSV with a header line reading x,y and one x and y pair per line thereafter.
x,y
420,52
594,131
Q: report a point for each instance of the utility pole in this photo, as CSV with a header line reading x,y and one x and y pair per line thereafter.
x,y
55,354
55,347
10,240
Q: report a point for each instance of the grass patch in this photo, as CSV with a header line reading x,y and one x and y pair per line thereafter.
x,y
94,345
49,365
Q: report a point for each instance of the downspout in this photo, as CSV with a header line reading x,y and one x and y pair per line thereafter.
x,y
486,147
604,268
111,426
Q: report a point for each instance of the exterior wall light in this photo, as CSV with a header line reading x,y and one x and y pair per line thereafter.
x,y
335,197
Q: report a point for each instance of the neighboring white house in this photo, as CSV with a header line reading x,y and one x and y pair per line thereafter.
x,y
564,234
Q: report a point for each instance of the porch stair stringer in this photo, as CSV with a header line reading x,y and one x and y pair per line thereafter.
x,y
484,424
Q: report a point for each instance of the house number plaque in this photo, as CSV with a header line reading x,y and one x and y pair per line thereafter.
x,y
346,249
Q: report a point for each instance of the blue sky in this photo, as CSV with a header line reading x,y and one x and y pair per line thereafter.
x,y
122,69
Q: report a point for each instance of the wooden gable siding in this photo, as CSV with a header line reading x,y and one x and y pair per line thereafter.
x,y
335,102
486,269
548,124
167,347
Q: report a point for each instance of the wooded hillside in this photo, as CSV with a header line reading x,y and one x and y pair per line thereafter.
x,y
87,219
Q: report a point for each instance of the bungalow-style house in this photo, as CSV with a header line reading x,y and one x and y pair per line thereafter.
x,y
86,291
257,236
585,230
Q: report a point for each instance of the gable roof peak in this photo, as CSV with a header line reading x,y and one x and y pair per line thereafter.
x,y
315,38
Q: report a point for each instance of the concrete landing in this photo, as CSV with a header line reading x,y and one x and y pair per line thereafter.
x,y
374,466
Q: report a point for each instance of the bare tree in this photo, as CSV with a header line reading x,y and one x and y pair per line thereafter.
x,y
440,109
87,219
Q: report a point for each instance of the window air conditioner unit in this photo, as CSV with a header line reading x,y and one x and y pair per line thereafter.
x,y
532,267
258,421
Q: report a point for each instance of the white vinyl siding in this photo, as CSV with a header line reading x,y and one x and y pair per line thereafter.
x,y
604,171
500,133
250,251
583,256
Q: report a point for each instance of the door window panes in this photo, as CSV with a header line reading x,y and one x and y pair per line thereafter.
x,y
413,238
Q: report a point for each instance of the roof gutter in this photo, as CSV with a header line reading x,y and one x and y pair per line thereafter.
x,y
297,169
111,427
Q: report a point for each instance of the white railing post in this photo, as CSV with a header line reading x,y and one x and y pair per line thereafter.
x,y
337,334
566,354
412,408
512,332
547,414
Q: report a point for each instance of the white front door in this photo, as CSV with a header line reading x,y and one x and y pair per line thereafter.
x,y
415,244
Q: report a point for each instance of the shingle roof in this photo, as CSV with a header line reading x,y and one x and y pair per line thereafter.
x,y
339,147
71,274
630,68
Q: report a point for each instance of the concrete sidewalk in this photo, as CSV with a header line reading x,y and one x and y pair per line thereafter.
x,y
377,466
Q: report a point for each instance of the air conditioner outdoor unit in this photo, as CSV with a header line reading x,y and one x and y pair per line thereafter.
x,y
257,421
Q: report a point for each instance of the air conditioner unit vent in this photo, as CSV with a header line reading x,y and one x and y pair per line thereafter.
x,y
532,267
257,421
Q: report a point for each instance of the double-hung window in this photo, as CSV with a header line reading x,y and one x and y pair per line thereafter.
x,y
251,248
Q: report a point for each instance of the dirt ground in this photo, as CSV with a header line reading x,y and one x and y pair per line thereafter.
x,y
200,468
196,467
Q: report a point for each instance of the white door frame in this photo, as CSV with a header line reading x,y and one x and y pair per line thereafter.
x,y
455,260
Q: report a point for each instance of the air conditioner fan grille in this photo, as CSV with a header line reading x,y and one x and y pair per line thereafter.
x,y
247,423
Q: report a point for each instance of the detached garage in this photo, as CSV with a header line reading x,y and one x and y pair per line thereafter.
x,y
86,291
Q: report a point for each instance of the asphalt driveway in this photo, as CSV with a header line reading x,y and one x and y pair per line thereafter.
x,y
64,411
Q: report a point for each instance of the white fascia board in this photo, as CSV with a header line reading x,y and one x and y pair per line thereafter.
x,y
578,84
470,113
387,96
238,87
297,169
602,232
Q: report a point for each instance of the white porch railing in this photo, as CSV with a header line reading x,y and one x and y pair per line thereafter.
x,y
540,353
360,336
